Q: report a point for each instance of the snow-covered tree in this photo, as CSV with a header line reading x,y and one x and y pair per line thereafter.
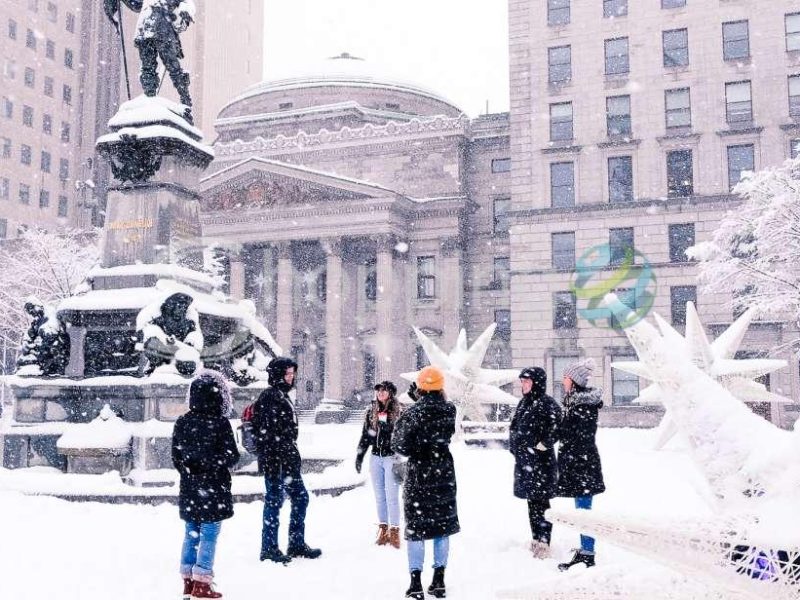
x,y
754,255
46,265
214,266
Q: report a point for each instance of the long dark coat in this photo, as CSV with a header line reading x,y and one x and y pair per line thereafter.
x,y
204,450
275,428
535,422
423,433
579,470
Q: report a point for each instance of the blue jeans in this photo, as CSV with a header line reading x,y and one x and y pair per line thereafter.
x,y
416,553
386,489
275,486
587,543
199,547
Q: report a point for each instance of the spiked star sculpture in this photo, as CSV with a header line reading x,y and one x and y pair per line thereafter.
x,y
716,359
467,384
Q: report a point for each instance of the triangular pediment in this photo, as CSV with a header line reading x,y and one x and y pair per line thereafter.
x,y
262,183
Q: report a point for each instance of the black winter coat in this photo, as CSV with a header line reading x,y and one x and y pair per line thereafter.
x,y
579,469
204,450
535,422
275,429
423,433
379,438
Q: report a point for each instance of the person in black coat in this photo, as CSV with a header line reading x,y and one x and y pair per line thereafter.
x,y
532,437
580,473
275,430
204,450
423,433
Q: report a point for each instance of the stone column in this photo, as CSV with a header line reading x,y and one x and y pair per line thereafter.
x,y
384,307
236,283
451,290
333,320
283,309
77,342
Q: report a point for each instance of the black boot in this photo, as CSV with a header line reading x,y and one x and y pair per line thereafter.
x,y
303,551
415,589
578,558
275,555
436,588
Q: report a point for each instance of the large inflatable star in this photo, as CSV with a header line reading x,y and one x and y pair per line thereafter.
x,y
468,385
716,359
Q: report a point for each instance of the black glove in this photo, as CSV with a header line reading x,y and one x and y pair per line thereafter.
x,y
359,462
412,391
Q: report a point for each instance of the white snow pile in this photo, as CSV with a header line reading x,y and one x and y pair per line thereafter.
x,y
107,430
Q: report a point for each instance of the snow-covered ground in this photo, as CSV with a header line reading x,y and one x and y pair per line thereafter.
x,y
85,551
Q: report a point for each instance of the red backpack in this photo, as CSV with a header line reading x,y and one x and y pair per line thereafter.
x,y
246,433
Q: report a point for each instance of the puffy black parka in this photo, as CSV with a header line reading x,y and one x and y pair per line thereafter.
x,y
423,433
535,426
579,470
204,450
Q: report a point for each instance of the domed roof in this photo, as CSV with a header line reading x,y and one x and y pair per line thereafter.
x,y
343,70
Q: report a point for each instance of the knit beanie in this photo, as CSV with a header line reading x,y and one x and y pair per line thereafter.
x,y
430,379
581,371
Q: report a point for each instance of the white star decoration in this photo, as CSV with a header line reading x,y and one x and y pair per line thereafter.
x,y
713,358
467,384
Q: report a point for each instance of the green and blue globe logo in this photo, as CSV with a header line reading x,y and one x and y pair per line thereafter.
x,y
600,271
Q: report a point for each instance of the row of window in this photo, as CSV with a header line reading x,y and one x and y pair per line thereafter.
x,y
48,83
47,121
45,158
52,16
25,196
558,11
32,42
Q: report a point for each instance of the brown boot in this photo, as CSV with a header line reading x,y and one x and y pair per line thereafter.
x,y
394,537
383,535
203,589
187,588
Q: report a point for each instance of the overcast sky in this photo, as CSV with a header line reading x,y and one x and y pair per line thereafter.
x,y
458,48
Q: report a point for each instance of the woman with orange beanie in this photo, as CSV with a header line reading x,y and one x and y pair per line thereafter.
x,y
423,433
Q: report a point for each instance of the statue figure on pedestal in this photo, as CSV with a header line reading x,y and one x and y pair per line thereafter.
x,y
171,334
45,347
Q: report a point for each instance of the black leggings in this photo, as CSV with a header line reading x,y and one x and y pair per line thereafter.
x,y
540,527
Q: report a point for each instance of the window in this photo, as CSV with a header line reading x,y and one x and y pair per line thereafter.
x,y
794,95
677,108
63,206
44,198
24,193
624,386
3,228
30,77
503,319
680,175
615,8
30,39
65,132
620,245
557,12
738,102
47,124
620,179
501,272
794,148
560,364
426,277
70,22
735,40
616,53
561,122
12,29
679,295
618,116
6,147
562,184
672,3
565,315
68,58
420,358
27,116
5,186
371,282
369,369
563,250
559,64
626,296
45,161
52,12
500,218
63,169
681,237
740,159
501,165
25,156
793,32
50,49
48,87
10,68
67,94
676,47
8,108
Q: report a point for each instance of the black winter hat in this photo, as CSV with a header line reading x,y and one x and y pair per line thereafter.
x,y
388,386
209,394
277,367
539,378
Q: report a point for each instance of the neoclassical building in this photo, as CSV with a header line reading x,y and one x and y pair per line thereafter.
x,y
351,208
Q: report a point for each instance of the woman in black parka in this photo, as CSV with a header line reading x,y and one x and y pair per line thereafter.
x,y
580,474
532,437
204,450
423,433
